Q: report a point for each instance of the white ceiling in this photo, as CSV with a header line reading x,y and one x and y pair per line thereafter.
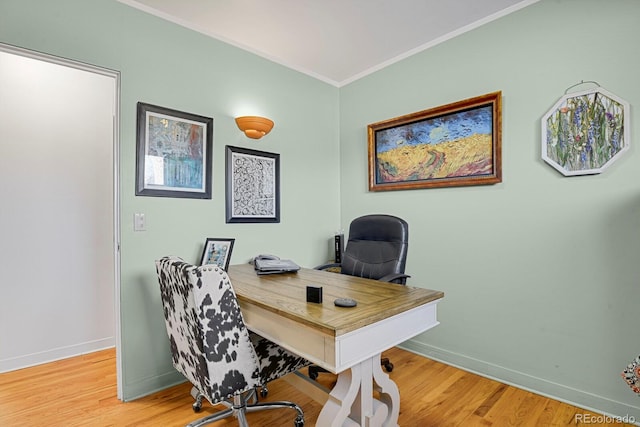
x,y
337,41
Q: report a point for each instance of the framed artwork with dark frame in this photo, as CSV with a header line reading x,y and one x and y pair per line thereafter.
x,y
457,144
174,153
252,185
217,252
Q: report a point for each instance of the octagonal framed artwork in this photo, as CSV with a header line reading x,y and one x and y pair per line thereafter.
x,y
585,132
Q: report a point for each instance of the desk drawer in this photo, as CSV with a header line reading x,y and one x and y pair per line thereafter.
x,y
354,347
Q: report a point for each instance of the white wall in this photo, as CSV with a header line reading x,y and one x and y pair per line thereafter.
x,y
57,216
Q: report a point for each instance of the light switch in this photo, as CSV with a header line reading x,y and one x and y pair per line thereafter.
x,y
139,222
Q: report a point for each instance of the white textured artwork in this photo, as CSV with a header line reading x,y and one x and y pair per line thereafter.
x,y
253,186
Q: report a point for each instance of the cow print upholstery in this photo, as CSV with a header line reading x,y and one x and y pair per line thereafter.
x,y
210,343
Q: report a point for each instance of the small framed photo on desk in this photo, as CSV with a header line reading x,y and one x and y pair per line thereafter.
x,y
217,252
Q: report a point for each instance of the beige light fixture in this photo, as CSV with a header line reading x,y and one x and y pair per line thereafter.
x,y
253,126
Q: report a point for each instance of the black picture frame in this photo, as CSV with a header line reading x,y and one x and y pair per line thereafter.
x,y
174,153
217,251
252,186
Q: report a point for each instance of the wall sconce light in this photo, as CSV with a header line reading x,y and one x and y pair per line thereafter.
x,y
253,126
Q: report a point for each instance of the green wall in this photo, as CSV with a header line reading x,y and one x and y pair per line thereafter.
x,y
164,64
540,272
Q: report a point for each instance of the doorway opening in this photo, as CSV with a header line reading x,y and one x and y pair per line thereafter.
x,y
59,124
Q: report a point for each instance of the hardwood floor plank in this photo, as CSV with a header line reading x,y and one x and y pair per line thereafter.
x,y
491,400
549,412
81,392
504,411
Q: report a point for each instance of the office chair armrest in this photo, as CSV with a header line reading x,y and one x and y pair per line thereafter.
x,y
395,278
325,266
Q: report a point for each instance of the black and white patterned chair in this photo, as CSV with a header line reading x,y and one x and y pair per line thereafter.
x,y
212,347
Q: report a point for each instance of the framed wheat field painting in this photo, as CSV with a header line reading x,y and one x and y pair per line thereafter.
x,y
457,144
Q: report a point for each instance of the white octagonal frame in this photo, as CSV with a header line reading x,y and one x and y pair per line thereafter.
x,y
585,132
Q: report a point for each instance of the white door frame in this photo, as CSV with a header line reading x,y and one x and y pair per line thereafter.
x,y
116,177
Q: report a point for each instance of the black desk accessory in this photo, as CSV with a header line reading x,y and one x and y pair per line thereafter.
x,y
314,294
338,247
345,302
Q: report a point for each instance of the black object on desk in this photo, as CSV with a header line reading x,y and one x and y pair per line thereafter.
x,y
338,247
314,294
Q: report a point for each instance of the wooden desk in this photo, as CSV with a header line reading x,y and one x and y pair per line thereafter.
x,y
346,341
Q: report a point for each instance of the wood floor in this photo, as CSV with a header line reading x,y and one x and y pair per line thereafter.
x,y
81,391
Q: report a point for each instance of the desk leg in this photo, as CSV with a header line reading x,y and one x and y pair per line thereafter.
x,y
389,394
351,402
337,409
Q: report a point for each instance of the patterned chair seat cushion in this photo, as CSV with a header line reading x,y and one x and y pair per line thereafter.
x,y
275,361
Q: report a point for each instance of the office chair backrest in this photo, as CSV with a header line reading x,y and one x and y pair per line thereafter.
x,y
376,247
209,341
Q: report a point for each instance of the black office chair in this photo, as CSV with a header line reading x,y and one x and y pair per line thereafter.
x,y
376,249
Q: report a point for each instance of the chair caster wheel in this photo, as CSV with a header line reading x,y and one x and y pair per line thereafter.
x,y
388,367
298,422
264,391
314,371
197,405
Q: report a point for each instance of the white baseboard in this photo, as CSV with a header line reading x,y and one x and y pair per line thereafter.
x,y
33,359
575,397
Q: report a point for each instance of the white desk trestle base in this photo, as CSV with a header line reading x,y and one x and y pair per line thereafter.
x,y
351,402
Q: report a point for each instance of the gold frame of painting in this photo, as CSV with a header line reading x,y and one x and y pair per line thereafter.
x,y
458,144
